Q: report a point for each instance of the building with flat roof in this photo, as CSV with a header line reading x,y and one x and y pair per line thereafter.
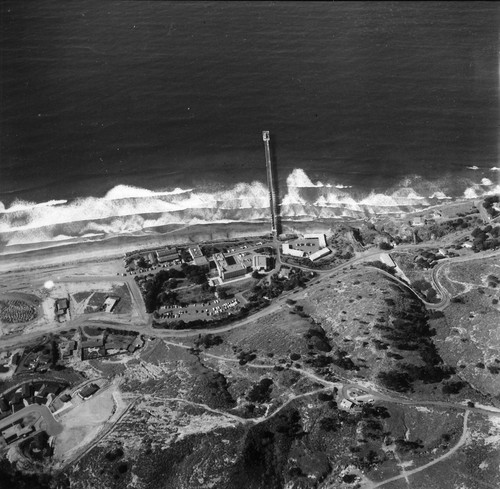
x,y
166,255
320,238
230,266
197,256
110,303
261,262
319,254
345,404
288,250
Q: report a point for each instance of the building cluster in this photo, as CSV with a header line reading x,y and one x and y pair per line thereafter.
x,y
312,246
107,344
16,431
28,393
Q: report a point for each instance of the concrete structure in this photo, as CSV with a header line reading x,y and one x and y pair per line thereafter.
x,y
261,262
166,255
270,183
110,303
230,266
319,254
321,238
288,250
311,245
197,256
345,404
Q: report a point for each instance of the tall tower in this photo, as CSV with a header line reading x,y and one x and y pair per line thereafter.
x,y
271,184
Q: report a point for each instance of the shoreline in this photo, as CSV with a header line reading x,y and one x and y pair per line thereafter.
x,y
116,247
64,253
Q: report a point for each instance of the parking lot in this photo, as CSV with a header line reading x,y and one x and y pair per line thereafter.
x,y
205,310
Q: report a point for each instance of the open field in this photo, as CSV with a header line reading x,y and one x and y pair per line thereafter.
x,y
83,423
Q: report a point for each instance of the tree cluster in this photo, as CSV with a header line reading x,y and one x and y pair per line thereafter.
x,y
487,238
488,205
156,290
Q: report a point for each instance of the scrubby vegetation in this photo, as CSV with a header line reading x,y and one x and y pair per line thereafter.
x,y
409,330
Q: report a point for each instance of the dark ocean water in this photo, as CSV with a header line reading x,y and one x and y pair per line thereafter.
x,y
159,95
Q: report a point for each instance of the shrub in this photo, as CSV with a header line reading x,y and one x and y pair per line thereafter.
x,y
453,387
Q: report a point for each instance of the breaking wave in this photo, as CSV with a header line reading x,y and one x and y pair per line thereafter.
x,y
128,210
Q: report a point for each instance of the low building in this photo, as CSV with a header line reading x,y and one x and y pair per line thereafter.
x,y
261,262
88,391
345,404
62,305
320,238
197,256
167,255
417,221
319,254
65,398
467,244
110,303
14,432
288,250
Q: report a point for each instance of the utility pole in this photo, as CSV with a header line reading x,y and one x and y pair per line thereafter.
x,y
271,185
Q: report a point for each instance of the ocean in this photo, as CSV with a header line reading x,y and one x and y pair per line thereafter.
x,y
120,118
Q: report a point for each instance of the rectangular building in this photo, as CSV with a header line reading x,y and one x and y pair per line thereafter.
x,y
197,256
319,254
166,255
261,262
288,250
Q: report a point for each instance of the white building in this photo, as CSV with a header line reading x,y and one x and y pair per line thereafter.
x,y
319,254
286,250
320,237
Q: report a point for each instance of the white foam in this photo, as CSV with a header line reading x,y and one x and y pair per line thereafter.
x,y
130,192
474,167
486,181
131,210
495,168
22,205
